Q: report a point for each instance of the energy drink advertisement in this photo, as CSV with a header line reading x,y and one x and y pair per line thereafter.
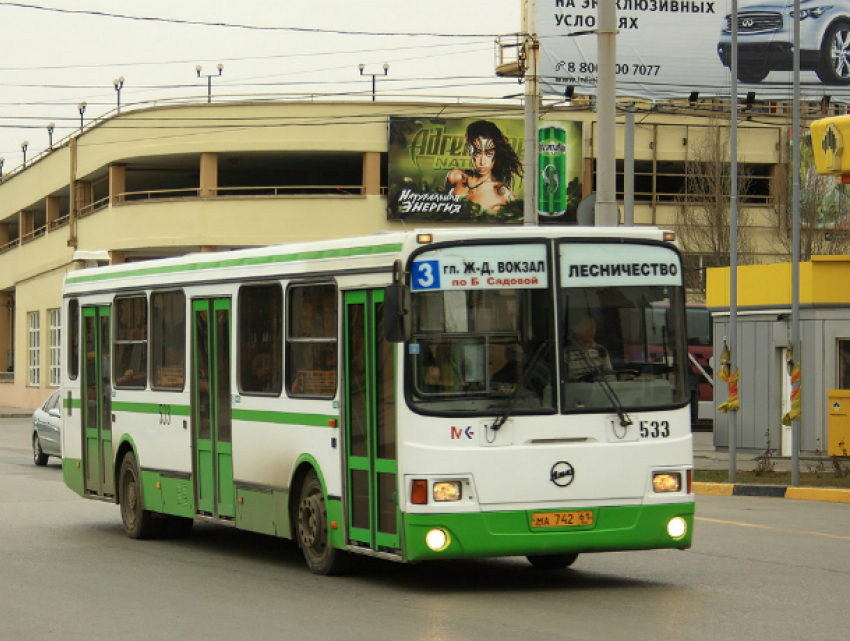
x,y
559,166
463,170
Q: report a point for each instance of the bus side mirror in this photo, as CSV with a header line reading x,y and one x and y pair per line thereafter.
x,y
397,313
397,308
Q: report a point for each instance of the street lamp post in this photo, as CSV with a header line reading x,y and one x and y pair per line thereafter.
x,y
50,129
24,146
118,83
209,78
2,160
82,109
361,66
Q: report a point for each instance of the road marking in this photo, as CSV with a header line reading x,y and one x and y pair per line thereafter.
x,y
769,527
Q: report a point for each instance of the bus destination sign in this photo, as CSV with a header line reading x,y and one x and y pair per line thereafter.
x,y
481,267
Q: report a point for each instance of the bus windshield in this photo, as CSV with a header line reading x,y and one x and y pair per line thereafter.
x,y
623,329
477,346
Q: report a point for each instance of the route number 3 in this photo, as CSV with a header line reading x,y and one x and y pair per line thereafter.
x,y
426,275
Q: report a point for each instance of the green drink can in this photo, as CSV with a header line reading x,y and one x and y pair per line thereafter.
x,y
552,171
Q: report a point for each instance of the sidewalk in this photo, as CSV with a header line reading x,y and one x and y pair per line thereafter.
x,y
15,412
706,457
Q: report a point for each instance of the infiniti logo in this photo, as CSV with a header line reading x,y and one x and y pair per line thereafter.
x,y
747,23
562,474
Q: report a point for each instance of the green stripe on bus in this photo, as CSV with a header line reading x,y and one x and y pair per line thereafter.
x,y
284,418
244,262
150,408
71,402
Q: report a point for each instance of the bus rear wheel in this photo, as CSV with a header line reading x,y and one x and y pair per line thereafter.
x,y
552,561
312,530
138,522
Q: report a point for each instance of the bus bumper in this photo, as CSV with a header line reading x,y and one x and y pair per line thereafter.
x,y
509,533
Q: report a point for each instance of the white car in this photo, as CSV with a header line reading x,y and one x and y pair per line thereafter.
x,y
45,430
766,39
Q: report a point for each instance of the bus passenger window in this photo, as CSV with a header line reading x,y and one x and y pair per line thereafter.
x,y
168,340
130,367
260,337
311,341
73,338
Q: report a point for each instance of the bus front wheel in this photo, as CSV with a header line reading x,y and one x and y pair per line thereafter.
x,y
552,561
312,530
138,522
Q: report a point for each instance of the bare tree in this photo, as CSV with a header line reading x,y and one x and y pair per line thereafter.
x,y
703,208
824,221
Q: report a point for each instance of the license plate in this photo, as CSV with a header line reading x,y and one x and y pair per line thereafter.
x,y
561,519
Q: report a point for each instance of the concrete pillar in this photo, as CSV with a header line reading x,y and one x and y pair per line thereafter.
x,y
208,248
53,213
209,174
116,257
84,196
5,333
117,183
372,173
26,223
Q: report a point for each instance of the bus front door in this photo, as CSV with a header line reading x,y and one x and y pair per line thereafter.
x,y
97,402
211,421
370,419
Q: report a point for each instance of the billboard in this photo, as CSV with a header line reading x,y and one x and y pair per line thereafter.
x,y
470,170
668,49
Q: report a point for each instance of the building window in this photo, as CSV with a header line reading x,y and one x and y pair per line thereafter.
x,y
130,348
55,347
843,363
34,378
168,340
260,338
311,341
73,339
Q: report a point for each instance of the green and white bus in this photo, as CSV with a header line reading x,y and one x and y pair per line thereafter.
x,y
444,394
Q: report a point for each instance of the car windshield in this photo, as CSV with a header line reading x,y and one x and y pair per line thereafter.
x,y
624,334
477,348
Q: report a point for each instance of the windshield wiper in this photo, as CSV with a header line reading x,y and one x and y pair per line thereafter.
x,y
599,376
528,371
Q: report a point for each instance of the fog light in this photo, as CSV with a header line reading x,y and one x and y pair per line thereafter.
x,y
677,527
437,539
447,491
665,482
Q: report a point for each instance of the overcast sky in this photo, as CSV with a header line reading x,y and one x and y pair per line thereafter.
x,y
57,54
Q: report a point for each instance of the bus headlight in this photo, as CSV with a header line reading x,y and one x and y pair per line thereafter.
x,y
447,491
677,527
666,482
437,539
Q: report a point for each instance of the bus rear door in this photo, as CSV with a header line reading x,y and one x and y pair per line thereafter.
x,y
97,402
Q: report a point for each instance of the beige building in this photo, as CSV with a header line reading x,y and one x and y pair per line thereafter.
x,y
173,179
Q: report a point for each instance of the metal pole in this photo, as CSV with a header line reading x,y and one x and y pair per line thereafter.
x,y
532,116
607,214
795,276
209,89
629,168
733,243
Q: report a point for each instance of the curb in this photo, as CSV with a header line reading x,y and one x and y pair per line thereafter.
x,y
776,491
15,415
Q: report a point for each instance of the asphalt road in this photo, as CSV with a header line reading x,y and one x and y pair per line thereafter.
x,y
760,569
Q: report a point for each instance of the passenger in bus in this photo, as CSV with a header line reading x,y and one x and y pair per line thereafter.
x,y
259,377
506,378
584,356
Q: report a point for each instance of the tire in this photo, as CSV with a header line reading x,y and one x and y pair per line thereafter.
x,y
834,67
752,74
138,522
552,561
38,456
311,527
